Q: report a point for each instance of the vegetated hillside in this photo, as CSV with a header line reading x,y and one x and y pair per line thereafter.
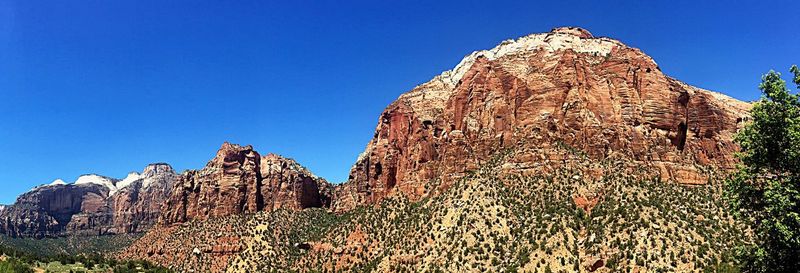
x,y
621,218
70,245
21,255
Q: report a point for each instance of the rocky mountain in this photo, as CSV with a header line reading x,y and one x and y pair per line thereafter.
x,y
235,184
48,210
137,206
92,205
554,152
239,180
563,87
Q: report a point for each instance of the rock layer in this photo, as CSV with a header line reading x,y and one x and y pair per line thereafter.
x,y
94,205
50,210
137,207
566,88
238,180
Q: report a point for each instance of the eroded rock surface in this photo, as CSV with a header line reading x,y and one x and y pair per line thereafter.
x,y
562,88
138,207
238,180
48,211
93,205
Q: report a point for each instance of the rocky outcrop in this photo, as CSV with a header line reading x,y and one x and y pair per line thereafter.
x,y
229,184
562,88
136,208
238,180
93,205
202,222
49,210
287,184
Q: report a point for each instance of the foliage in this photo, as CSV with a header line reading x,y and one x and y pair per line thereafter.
x,y
18,259
766,188
69,245
12,265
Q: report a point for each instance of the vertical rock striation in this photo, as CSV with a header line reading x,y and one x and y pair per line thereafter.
x,y
137,207
238,180
93,205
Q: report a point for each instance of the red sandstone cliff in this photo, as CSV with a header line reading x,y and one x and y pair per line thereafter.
x,y
136,208
47,211
238,180
93,205
563,87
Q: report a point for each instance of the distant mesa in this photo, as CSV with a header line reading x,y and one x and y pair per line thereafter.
x,y
92,205
97,205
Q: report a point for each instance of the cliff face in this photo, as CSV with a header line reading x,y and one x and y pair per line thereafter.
x,y
93,205
287,184
227,185
232,186
238,180
564,87
49,210
136,208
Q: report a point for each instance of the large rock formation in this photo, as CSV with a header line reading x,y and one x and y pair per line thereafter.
x,y
565,87
93,205
238,180
49,210
214,203
137,207
287,184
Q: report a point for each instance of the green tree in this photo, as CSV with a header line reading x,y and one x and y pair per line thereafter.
x,y
765,191
12,265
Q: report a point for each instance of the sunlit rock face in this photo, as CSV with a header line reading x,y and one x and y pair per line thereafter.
x,y
49,210
565,87
92,205
287,184
137,207
239,180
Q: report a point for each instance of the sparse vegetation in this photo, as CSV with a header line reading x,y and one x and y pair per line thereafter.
x,y
13,258
488,221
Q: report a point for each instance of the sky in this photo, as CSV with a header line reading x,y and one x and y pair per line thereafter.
x,y
108,87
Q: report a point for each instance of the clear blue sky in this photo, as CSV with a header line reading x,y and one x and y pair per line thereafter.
x,y
109,86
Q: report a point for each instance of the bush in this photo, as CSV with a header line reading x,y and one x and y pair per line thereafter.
x,y
12,265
